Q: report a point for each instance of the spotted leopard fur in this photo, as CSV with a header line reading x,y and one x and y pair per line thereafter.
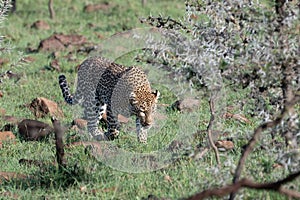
x,y
107,87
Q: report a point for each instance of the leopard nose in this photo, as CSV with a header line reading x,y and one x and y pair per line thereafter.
x,y
147,122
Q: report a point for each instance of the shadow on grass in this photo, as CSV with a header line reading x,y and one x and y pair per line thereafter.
x,y
48,176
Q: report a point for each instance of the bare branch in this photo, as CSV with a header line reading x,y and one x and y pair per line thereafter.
x,y
246,183
161,22
209,130
59,143
51,10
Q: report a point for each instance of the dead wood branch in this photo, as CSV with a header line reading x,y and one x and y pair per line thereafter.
x,y
51,10
209,130
246,183
59,143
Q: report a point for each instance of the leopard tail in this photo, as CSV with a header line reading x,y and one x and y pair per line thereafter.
x,y
65,90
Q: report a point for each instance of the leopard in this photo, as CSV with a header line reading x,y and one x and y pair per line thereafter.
x,y
105,88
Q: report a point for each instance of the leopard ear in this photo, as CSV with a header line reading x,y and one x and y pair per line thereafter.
x,y
132,99
156,94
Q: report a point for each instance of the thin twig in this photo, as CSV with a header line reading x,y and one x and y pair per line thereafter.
x,y
161,22
246,183
59,143
209,130
51,10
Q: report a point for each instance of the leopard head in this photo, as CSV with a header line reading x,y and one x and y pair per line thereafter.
x,y
143,104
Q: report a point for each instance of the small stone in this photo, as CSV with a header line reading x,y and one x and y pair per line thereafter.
x,y
55,65
224,144
60,42
168,178
238,117
41,25
42,107
28,59
95,7
186,105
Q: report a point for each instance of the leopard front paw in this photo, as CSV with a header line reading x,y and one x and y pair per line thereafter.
x,y
113,134
142,140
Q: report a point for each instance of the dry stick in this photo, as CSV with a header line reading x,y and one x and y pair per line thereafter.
x,y
59,143
257,133
246,183
51,10
209,128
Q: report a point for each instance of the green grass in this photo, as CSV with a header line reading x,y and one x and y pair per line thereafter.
x,y
85,177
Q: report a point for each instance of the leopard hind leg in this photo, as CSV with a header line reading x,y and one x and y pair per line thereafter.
x,y
93,112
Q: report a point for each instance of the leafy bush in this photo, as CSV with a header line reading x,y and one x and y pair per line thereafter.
x,y
252,45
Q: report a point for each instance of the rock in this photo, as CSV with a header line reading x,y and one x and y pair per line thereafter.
x,y
6,136
95,7
238,117
28,59
51,44
41,25
80,123
186,105
60,42
9,176
168,178
34,130
42,107
224,145
70,39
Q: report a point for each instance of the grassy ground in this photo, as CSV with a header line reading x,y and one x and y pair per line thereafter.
x,y
88,178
